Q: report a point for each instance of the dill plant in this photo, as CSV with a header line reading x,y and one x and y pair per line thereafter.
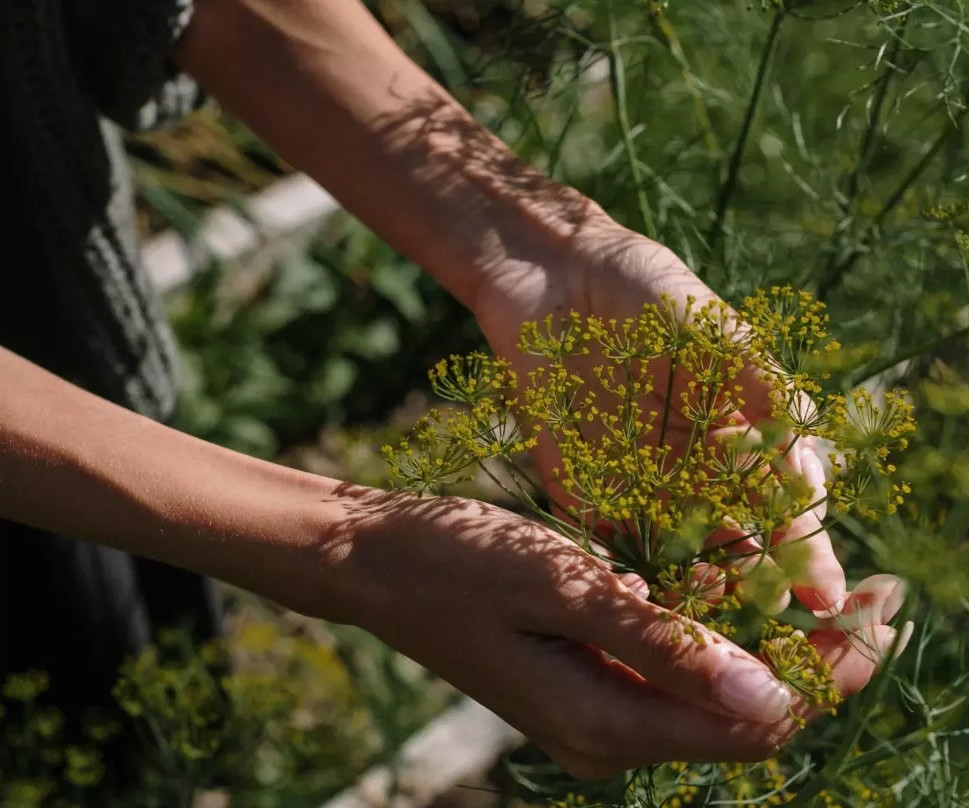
x,y
41,762
816,143
264,716
811,142
657,476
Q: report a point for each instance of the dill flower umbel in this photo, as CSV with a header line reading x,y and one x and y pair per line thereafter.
x,y
658,472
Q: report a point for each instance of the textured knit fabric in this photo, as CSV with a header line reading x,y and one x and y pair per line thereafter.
x,y
71,296
76,610
73,300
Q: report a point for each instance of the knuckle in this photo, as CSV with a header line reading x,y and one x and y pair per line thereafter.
x,y
688,658
593,736
597,731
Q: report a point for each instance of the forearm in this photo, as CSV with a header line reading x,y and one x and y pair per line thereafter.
x,y
331,91
73,463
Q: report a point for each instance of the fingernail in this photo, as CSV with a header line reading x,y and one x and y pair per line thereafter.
x,y
868,593
813,471
869,607
882,643
636,584
885,639
777,606
908,628
747,688
831,611
894,601
904,635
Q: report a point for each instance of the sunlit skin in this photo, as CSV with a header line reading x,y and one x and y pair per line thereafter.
x,y
651,492
508,610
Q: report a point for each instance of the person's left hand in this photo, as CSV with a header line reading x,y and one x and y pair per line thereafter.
x,y
606,270
525,622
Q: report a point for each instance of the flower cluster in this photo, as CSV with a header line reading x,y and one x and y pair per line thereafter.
x,y
761,784
447,446
43,761
797,663
267,714
232,707
676,435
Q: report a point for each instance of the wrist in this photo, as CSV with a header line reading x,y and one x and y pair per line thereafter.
x,y
286,535
247,522
339,99
75,464
359,559
487,208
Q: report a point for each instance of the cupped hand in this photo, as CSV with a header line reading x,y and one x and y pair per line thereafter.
x,y
606,270
549,638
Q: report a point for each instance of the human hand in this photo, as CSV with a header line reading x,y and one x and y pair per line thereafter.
x,y
545,635
605,270
510,612
411,163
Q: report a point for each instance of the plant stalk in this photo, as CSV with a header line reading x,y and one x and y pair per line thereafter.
x,y
736,158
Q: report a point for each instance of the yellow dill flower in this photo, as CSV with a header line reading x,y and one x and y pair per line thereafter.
x,y
652,480
797,663
662,477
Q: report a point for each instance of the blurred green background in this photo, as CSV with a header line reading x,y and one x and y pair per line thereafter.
x,y
816,143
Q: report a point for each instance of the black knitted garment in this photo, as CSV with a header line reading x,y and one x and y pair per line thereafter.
x,y
72,297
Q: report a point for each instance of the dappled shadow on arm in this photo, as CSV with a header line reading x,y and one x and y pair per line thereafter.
x,y
426,568
489,191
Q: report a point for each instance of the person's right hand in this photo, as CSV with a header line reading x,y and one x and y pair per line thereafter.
x,y
510,612
518,618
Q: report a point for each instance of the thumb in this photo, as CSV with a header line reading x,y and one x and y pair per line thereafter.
x,y
675,655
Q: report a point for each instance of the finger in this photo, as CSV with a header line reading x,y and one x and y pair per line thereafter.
x,y
762,581
874,601
636,583
803,459
709,581
704,582
756,576
677,656
819,580
852,662
766,395
597,717
767,585
630,710
737,434
856,657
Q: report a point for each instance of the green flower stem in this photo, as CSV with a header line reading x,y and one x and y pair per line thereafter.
x,y
831,281
669,394
617,77
733,172
578,535
873,695
491,475
768,548
860,376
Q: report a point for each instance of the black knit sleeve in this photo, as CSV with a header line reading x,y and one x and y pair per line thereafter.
x,y
123,51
